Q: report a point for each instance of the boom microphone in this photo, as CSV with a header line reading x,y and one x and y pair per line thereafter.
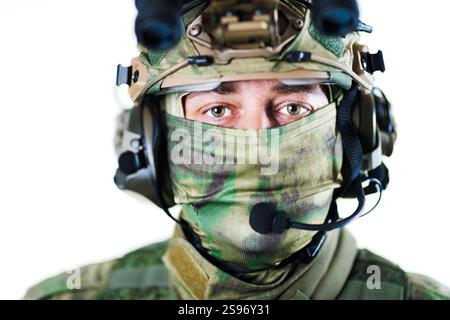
x,y
265,219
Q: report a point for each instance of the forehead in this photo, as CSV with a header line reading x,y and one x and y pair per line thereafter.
x,y
268,86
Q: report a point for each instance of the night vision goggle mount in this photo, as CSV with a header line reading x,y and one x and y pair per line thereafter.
x,y
242,23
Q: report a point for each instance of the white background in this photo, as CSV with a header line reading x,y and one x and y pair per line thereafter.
x,y
59,207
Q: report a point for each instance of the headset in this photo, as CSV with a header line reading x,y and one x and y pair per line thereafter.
x,y
142,166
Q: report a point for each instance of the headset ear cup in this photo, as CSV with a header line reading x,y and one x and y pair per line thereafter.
x,y
134,170
155,151
160,154
366,122
138,146
372,117
386,122
363,116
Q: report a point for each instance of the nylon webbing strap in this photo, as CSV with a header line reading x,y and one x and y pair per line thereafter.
x,y
139,278
350,139
354,156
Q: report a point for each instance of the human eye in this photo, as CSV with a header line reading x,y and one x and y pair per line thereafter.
x,y
294,110
218,112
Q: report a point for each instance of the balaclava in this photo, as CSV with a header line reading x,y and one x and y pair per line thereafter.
x,y
218,174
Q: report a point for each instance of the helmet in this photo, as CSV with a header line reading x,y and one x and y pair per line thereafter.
x,y
277,40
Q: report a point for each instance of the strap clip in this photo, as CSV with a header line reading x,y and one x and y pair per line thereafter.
x,y
297,56
123,75
374,62
201,61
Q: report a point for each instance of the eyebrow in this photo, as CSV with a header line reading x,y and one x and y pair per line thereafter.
x,y
284,89
227,88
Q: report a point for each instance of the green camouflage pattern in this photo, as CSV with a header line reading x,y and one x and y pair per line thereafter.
x,y
306,160
337,50
146,278
424,288
217,201
93,279
395,283
132,277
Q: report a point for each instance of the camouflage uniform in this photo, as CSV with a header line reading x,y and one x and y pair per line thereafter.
x,y
174,269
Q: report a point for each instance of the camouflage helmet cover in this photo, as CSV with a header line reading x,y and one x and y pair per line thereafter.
x,y
330,58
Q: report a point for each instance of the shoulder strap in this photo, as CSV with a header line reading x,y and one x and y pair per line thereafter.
x,y
375,278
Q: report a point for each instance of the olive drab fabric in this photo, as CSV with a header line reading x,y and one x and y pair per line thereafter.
x,y
340,272
206,281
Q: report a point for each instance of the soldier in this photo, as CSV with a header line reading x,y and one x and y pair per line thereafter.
x,y
255,121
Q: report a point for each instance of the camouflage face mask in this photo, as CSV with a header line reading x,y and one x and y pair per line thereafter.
x,y
219,174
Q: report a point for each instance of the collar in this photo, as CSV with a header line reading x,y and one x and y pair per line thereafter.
x,y
194,277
